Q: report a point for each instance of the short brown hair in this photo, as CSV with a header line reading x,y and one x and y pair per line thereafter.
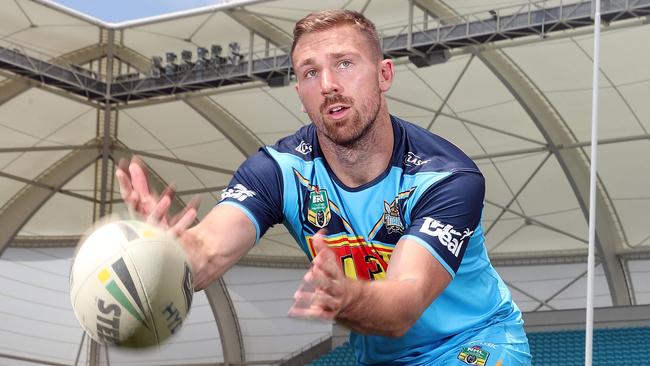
x,y
328,19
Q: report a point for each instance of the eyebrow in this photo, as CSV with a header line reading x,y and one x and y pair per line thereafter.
x,y
311,61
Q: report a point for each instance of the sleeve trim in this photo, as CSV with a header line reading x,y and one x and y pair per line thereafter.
x,y
433,252
248,213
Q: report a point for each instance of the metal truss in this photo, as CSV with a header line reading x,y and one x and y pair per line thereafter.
x,y
422,42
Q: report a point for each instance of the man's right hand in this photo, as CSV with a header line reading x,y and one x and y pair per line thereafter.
x,y
154,209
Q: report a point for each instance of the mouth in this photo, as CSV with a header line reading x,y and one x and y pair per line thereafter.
x,y
337,111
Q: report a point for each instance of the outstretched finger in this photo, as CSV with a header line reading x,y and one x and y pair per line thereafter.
x,y
140,183
123,179
159,212
183,223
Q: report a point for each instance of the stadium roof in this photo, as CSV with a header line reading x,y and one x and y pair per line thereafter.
x,y
508,82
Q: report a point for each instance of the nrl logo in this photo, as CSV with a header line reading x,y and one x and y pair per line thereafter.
x,y
318,210
392,219
304,148
411,159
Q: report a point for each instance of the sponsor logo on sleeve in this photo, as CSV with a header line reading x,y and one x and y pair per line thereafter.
x,y
238,192
410,159
304,148
446,234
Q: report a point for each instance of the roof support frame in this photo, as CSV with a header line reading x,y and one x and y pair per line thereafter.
x,y
235,131
552,127
24,204
261,27
221,304
223,309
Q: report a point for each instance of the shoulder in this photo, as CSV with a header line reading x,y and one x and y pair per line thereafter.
x,y
302,144
421,150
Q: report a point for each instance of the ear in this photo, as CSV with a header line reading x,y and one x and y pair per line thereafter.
x,y
386,73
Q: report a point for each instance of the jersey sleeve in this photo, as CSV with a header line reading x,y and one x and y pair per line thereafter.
x,y
256,189
445,217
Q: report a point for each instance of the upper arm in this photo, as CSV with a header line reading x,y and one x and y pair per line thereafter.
x,y
256,190
444,219
442,222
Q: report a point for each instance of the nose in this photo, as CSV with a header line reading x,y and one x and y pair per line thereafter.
x,y
329,83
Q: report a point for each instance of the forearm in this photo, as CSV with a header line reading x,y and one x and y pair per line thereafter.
x,y
388,307
217,243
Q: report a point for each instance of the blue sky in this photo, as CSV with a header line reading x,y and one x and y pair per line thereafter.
x,y
120,10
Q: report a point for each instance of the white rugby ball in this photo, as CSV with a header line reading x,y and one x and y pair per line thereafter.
x,y
130,284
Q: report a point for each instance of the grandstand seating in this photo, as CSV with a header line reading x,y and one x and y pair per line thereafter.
x,y
612,347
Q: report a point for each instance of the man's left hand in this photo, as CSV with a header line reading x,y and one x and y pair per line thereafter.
x,y
324,292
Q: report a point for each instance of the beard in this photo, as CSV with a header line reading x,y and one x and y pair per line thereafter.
x,y
353,129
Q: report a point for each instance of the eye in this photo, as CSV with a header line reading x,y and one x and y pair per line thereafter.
x,y
310,73
345,64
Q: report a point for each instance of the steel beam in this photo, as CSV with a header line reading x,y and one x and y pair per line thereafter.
x,y
221,304
31,360
13,87
24,204
234,130
550,124
262,27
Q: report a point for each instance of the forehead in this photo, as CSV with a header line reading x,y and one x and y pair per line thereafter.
x,y
336,40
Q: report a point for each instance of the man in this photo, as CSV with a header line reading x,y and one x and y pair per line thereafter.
x,y
388,212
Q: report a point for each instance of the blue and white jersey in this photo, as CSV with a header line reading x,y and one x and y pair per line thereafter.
x,y
431,193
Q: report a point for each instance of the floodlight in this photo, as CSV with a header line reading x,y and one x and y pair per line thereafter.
x,y
170,57
216,50
201,53
186,56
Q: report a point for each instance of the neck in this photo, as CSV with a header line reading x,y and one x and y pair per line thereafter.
x,y
367,158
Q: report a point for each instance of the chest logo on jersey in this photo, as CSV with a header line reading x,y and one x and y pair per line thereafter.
x,y
358,258
392,218
318,209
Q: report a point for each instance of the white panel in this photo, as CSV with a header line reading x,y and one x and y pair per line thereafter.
x,y
533,238
176,126
12,19
575,297
268,116
37,112
456,132
70,33
197,342
541,281
640,274
35,305
512,172
622,62
49,219
636,95
499,234
626,176
262,297
551,184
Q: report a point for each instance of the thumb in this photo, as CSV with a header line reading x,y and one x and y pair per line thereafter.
x,y
319,242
